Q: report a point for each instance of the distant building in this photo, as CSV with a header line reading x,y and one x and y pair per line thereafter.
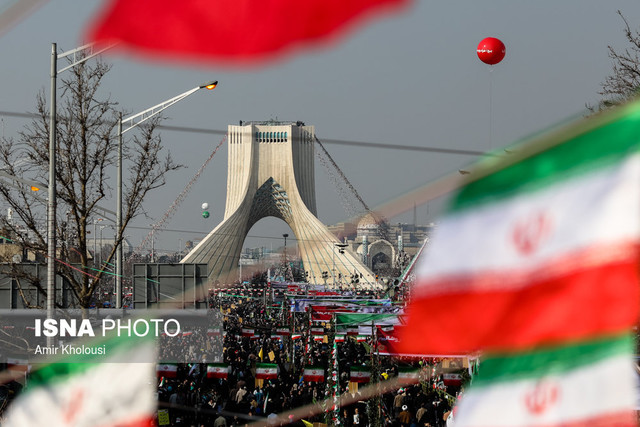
x,y
382,246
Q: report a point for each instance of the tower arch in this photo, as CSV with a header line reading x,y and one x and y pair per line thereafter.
x,y
273,176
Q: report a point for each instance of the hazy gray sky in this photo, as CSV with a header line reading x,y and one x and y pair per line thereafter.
x,y
411,79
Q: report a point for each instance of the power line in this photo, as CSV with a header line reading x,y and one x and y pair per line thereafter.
x,y
348,143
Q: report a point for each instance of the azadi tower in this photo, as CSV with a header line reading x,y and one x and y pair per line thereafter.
x,y
271,173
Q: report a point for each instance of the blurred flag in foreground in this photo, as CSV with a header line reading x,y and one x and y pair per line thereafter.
x,y
101,391
536,263
239,31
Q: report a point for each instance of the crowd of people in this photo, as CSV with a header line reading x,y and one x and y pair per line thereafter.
x,y
193,398
246,328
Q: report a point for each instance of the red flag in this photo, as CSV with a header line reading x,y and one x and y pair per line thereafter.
x,y
238,31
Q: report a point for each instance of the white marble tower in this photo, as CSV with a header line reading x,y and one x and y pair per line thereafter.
x,y
271,173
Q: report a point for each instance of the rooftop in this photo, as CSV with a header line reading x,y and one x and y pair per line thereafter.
x,y
271,123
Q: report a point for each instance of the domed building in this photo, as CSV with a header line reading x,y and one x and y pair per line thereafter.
x,y
382,247
377,252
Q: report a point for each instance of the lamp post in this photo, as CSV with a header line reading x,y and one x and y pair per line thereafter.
x,y
153,246
51,202
132,122
95,241
285,235
340,247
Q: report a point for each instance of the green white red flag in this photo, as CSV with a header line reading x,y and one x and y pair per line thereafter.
x,y
359,374
535,262
169,370
98,391
587,384
218,370
267,371
313,374
234,31
452,379
408,375
539,252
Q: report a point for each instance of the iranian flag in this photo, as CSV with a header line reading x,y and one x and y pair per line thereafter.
x,y
536,263
359,374
408,375
217,370
313,374
317,331
541,251
386,329
340,337
283,331
112,390
169,370
296,336
452,379
586,384
247,332
267,371
178,28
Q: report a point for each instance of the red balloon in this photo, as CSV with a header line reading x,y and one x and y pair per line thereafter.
x,y
491,51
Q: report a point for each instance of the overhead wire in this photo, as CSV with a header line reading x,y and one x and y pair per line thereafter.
x,y
328,141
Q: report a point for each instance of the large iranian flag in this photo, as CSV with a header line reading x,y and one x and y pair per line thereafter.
x,y
313,374
218,370
169,370
267,371
408,375
587,384
112,390
359,374
178,28
536,263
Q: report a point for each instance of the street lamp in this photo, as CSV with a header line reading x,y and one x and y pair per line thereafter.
x,y
286,267
132,122
340,247
51,202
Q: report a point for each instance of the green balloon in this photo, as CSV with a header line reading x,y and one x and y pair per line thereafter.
x,y
205,214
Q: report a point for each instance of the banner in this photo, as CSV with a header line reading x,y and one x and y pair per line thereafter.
x,y
218,370
267,371
359,374
313,374
168,370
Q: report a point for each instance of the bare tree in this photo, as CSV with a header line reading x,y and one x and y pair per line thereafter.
x,y
624,82
87,144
